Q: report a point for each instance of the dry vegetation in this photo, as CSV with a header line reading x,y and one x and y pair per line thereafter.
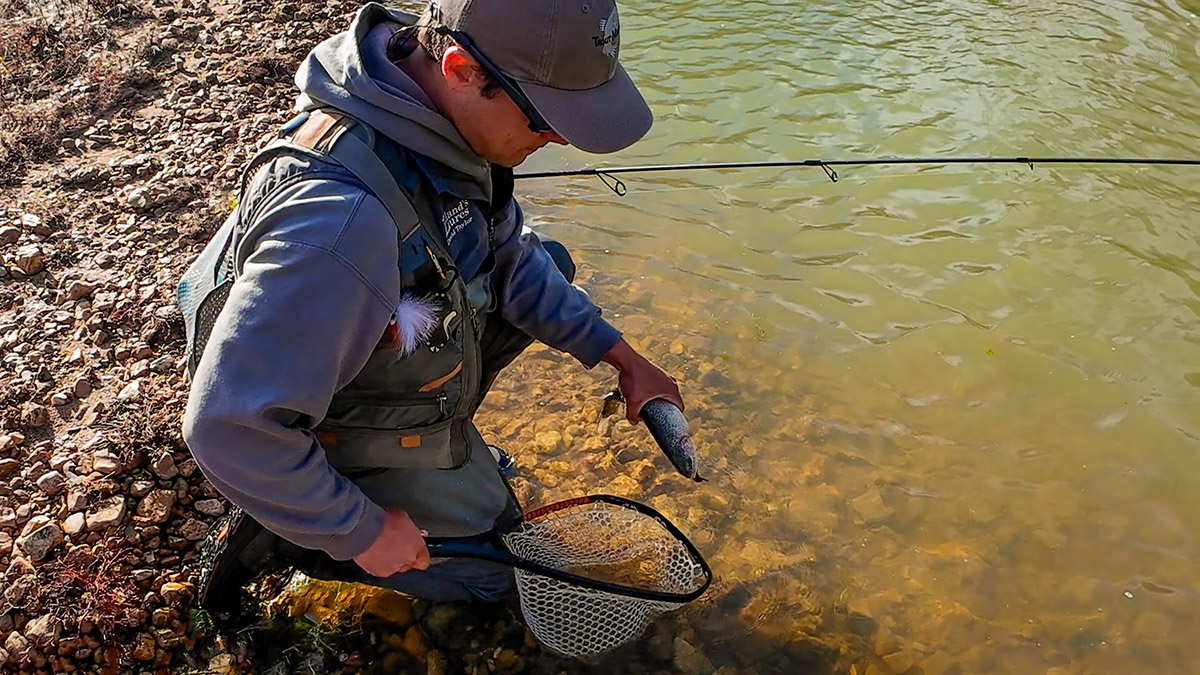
x,y
62,65
84,589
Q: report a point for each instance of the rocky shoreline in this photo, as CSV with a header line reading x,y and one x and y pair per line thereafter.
x,y
101,507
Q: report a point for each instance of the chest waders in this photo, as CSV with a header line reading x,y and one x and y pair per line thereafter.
x,y
402,410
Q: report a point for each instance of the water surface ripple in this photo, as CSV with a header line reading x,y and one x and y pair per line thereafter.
x,y
970,394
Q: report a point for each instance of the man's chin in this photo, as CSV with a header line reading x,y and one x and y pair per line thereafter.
x,y
513,160
513,163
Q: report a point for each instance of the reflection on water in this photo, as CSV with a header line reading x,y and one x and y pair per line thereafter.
x,y
950,412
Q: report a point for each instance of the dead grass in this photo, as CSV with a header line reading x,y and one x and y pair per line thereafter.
x,y
140,432
17,393
79,589
60,68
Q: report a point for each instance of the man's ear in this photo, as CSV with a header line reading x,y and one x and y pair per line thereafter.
x,y
460,69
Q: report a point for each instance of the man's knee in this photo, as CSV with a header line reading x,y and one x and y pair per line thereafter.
x,y
561,257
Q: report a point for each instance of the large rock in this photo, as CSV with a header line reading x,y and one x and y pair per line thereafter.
x,y
690,661
38,543
30,260
188,467
140,488
18,647
106,514
77,500
210,507
74,524
174,592
8,466
35,416
43,631
77,290
8,517
193,530
143,647
139,198
164,467
131,391
163,364
106,462
870,507
52,483
156,507
548,441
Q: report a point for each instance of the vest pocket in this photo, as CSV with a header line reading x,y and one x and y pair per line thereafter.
x,y
387,371
380,413
425,447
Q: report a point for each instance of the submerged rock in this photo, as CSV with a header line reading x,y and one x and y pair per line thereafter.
x,y
870,507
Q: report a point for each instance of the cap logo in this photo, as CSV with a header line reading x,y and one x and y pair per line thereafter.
x,y
609,38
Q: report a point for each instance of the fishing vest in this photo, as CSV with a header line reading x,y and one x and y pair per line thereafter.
x,y
402,410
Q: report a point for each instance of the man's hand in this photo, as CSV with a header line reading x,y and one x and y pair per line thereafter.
x,y
641,381
400,547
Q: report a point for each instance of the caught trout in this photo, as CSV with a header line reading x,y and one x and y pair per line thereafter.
x,y
669,429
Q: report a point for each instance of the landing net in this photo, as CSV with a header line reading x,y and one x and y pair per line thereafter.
x,y
631,550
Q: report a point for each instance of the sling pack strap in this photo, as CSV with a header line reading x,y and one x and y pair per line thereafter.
x,y
205,286
384,168
326,133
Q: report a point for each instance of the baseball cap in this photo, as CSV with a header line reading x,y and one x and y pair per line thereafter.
x,y
563,56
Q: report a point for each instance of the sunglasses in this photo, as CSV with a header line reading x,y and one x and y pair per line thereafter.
x,y
537,123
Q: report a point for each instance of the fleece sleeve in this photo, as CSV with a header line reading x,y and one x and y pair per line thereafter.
x,y
535,297
302,318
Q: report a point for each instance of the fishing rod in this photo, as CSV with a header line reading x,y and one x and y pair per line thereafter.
x,y
608,175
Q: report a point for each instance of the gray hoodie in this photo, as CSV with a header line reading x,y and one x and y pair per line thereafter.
x,y
317,283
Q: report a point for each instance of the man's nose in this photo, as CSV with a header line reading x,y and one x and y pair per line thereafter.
x,y
554,137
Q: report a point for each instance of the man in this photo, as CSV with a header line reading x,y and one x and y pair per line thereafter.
x,y
333,400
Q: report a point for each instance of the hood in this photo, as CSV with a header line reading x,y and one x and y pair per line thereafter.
x,y
350,71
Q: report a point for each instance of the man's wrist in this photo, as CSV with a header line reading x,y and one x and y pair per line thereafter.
x,y
621,355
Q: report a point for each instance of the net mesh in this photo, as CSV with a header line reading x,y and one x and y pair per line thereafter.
x,y
606,542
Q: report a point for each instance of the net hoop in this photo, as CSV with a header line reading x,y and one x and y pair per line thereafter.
x,y
666,598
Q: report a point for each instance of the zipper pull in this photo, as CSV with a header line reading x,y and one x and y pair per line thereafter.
x,y
441,399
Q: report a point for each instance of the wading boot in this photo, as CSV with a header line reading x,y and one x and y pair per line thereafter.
x,y
236,552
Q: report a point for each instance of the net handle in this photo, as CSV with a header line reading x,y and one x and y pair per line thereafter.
x,y
488,546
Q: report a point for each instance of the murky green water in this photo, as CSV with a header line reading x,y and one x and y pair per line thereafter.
x,y
963,402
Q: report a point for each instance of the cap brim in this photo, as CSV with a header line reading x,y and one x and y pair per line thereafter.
x,y
601,119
